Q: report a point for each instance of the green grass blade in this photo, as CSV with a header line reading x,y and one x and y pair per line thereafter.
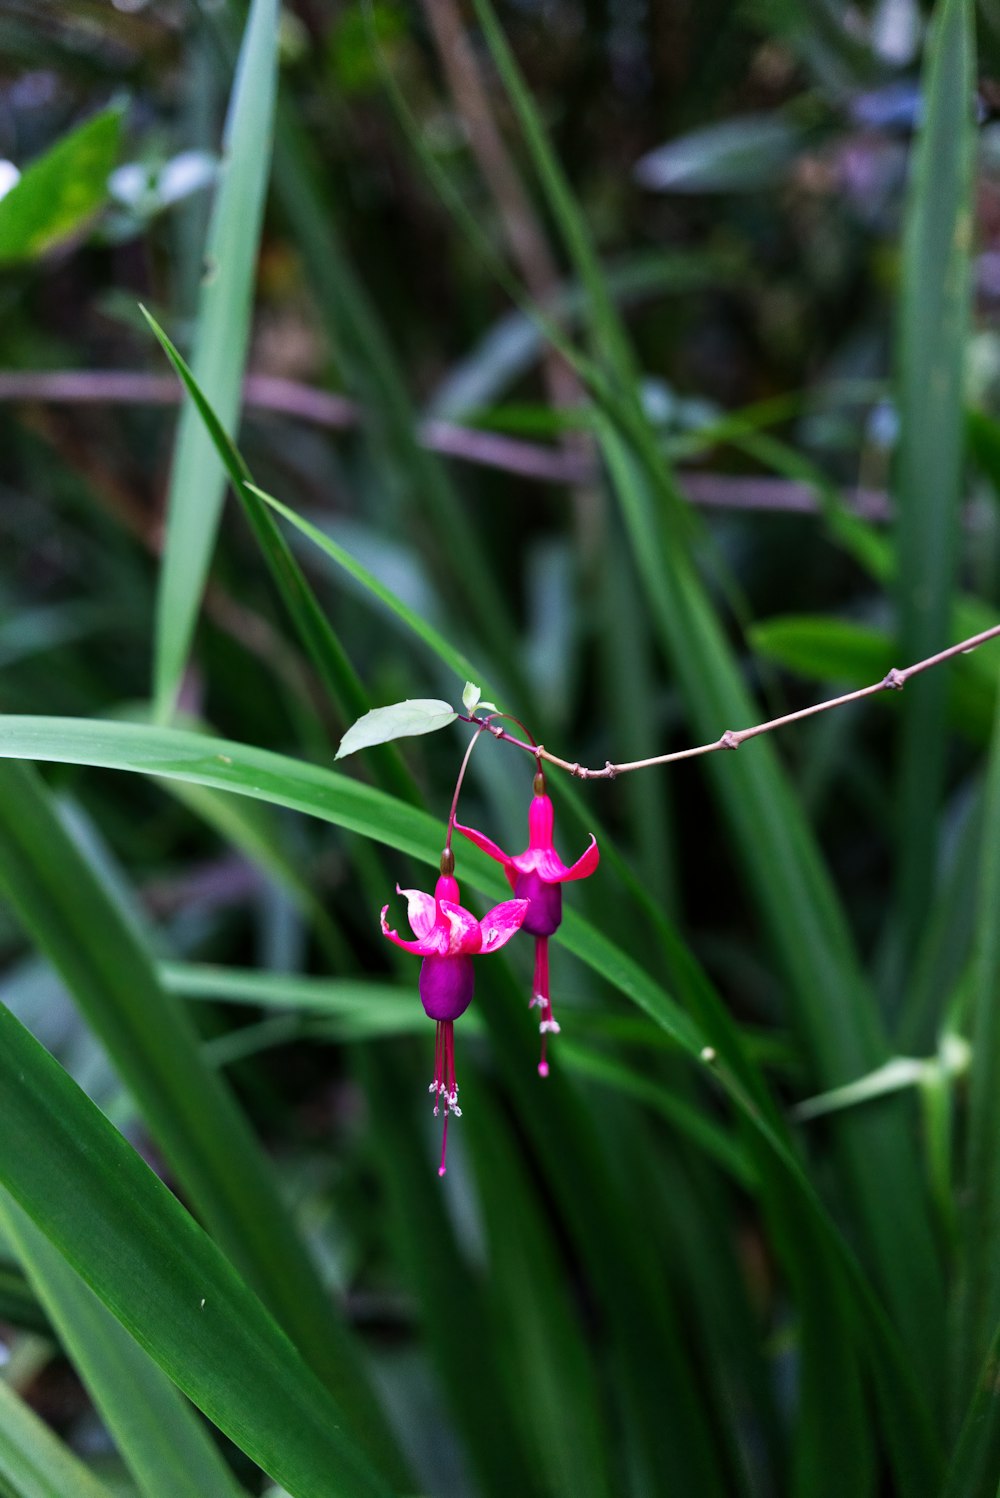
x,y
192,1115
972,1471
549,1369
784,872
197,482
324,649
359,808
162,1442
435,641
934,318
405,468
979,1286
168,1284
782,864
34,1460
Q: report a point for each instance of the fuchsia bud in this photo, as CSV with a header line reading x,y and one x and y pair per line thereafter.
x,y
448,937
537,875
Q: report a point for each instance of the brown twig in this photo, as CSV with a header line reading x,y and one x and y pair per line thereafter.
x,y
893,681
531,460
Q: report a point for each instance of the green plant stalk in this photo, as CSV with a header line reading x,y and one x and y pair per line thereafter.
x,y
162,1442
933,330
361,809
197,483
189,1109
164,1279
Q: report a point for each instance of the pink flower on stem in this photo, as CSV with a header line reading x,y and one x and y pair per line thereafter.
x,y
538,875
448,937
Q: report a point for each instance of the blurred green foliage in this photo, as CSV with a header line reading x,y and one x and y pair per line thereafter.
x,y
586,361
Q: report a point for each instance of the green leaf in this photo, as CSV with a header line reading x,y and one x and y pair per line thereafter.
x,y
978,1297
933,327
359,808
162,1442
34,1461
129,1238
191,1113
324,648
742,154
824,648
400,720
197,482
60,191
470,696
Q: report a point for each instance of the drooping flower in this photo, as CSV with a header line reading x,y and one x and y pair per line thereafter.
x,y
448,937
538,875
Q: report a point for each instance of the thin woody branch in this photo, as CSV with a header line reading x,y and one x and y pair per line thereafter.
x,y
893,681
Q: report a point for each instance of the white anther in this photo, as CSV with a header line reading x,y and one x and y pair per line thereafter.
x,y
436,1110
539,999
456,1110
549,1027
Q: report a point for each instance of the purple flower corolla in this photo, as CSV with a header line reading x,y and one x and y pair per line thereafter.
x,y
448,937
537,875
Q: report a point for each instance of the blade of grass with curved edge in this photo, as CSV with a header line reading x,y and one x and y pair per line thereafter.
x,y
783,867
324,648
161,1440
978,1301
975,1462
197,482
452,1310
403,464
359,808
34,1460
164,1279
833,1007
933,328
374,1010
547,1362
191,1113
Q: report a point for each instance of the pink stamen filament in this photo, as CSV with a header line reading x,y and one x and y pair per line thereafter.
x,y
542,999
445,1087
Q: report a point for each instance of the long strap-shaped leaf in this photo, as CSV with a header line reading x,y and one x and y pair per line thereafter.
x,y
325,650
159,1437
189,1109
783,866
34,1461
164,1279
197,480
979,1278
359,808
934,317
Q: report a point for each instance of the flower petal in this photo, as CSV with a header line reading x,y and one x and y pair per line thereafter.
x,y
486,844
420,909
552,869
501,923
420,948
462,931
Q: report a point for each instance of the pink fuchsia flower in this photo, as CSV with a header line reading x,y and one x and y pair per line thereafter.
x,y
538,875
448,937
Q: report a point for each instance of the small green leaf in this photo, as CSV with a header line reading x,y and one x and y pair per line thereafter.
x,y
399,721
738,155
471,696
61,190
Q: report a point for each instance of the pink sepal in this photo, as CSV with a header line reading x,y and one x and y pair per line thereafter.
x,y
434,944
552,869
502,922
490,848
420,909
461,929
